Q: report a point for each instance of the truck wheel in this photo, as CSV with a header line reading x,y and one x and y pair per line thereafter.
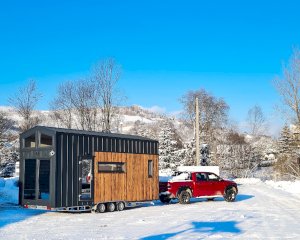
x,y
120,206
164,199
111,207
101,208
230,194
184,197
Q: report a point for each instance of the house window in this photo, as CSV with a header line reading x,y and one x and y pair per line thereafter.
x,y
150,168
111,167
46,141
30,141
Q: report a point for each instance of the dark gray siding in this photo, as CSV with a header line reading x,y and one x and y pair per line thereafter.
x,y
71,147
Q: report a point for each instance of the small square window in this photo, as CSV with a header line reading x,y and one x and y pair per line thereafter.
x,y
30,141
46,141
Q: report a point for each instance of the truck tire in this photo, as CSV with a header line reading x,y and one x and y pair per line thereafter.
x,y
184,197
120,206
164,199
230,194
101,208
111,207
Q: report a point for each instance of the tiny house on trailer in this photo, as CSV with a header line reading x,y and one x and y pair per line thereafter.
x,y
73,170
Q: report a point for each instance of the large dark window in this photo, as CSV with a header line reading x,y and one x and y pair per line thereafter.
x,y
150,168
111,167
29,183
44,179
46,141
86,177
30,141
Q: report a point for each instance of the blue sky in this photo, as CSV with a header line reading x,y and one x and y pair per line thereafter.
x,y
232,48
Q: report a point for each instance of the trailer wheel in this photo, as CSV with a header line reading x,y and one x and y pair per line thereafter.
x,y
101,208
111,207
120,206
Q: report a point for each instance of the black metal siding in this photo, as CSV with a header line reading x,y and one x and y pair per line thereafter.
x,y
71,147
70,174
59,152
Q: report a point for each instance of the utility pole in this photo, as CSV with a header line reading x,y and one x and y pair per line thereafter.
x,y
197,134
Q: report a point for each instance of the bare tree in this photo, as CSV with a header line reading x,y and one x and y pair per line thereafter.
x,y
89,102
5,124
213,112
76,105
24,101
62,105
256,121
85,104
289,87
106,75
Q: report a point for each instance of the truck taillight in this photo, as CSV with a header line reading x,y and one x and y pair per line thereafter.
x,y
169,186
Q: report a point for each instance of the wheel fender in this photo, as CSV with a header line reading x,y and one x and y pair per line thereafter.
x,y
188,189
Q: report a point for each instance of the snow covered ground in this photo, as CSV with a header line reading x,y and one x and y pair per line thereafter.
x,y
260,212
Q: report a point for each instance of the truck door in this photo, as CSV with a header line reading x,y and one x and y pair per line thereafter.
x,y
215,185
202,185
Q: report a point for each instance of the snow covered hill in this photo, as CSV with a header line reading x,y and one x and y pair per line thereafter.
x,y
177,145
260,212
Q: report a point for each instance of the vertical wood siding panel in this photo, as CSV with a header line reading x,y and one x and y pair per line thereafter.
x,y
146,181
133,185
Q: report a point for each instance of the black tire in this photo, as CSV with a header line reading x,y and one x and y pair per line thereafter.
x,y
101,208
210,199
164,199
120,206
184,197
111,207
230,194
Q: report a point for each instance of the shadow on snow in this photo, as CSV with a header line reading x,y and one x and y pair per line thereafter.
x,y
209,228
14,214
243,197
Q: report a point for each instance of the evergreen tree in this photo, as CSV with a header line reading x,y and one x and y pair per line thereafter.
x,y
285,141
167,147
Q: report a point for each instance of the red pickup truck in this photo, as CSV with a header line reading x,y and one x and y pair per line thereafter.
x,y
197,184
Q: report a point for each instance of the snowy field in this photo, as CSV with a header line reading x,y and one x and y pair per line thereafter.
x,y
262,211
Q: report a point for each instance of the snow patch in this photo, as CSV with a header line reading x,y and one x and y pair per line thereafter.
x,y
213,169
9,190
292,187
181,177
155,109
247,180
128,118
